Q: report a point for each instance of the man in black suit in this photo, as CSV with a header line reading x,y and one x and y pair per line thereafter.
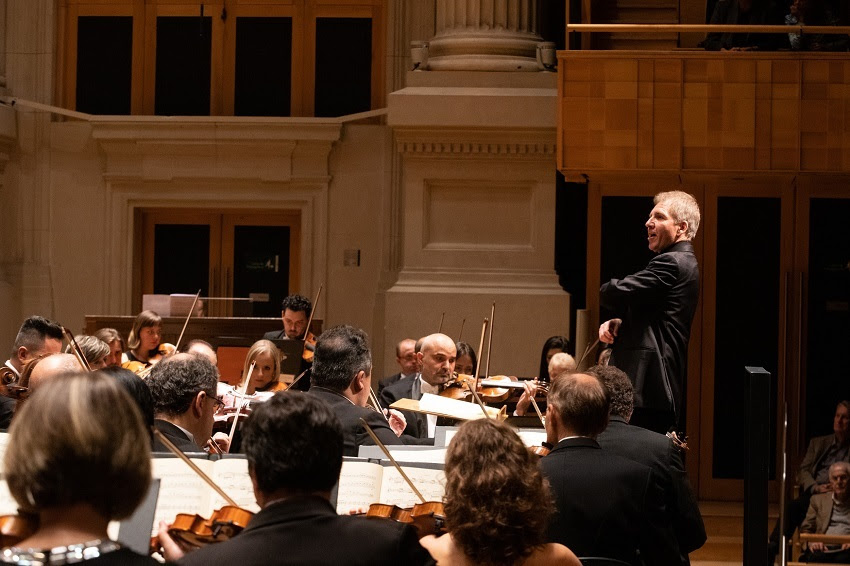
x,y
294,446
405,356
437,364
295,313
183,388
654,309
656,451
606,505
342,378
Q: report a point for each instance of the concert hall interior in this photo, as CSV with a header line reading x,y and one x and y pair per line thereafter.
x,y
422,160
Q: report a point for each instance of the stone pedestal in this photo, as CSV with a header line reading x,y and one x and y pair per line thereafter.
x,y
477,209
485,35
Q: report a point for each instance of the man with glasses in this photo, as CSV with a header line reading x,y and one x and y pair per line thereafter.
x,y
405,357
184,395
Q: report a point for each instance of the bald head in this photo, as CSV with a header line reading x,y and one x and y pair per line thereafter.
x,y
437,358
560,364
52,366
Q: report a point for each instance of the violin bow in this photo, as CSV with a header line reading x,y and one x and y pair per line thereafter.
x,y
489,344
460,334
312,312
386,452
373,398
442,318
75,348
179,453
297,379
478,367
586,352
537,410
186,322
243,388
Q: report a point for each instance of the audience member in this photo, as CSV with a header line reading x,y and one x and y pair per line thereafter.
x,y
115,342
746,12
813,474
405,357
437,364
342,378
292,482
814,13
829,513
497,503
607,505
655,451
183,388
60,466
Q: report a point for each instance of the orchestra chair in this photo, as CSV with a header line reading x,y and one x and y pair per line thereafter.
x,y
828,539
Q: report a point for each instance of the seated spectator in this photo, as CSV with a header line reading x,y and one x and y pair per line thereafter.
x,y
814,13
813,475
60,466
829,513
656,451
746,12
497,503
292,483
606,505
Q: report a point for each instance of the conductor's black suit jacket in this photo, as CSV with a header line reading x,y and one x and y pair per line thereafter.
x,y
307,531
657,306
606,505
354,434
658,452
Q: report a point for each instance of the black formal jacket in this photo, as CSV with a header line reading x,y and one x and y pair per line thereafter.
x,y
354,435
303,531
657,306
658,452
606,505
417,423
304,383
387,381
175,435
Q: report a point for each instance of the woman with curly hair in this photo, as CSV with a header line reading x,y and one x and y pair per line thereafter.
x,y
497,503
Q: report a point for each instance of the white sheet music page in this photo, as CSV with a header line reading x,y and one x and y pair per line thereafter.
x,y
231,475
181,490
395,491
359,486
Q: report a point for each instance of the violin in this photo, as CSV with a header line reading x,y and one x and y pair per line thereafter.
x,y
197,531
15,528
493,389
155,356
543,450
427,518
309,347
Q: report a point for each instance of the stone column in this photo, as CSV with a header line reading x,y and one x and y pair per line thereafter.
x,y
485,35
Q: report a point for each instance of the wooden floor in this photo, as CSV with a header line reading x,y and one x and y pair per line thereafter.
x,y
724,525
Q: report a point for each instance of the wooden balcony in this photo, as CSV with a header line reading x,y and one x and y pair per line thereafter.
x,y
703,111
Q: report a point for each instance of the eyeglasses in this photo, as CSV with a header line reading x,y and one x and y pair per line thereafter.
x,y
218,402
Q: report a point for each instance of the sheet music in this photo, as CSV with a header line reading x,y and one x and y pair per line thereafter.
x,y
231,475
181,490
395,491
8,505
359,486
4,442
454,408
532,437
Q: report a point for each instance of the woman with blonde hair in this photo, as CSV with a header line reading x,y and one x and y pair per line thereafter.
x,y
66,465
144,339
497,503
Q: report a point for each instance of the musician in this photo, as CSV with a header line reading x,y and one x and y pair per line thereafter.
x,y
294,445
559,364
44,369
553,345
95,350
655,451
202,348
606,505
116,345
137,389
144,338
654,309
61,466
36,336
405,357
183,388
437,361
295,311
342,378
497,503
466,360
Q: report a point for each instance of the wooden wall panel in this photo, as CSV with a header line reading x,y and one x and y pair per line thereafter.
x,y
702,111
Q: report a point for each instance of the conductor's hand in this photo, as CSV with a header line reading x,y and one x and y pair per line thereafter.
x,y
608,330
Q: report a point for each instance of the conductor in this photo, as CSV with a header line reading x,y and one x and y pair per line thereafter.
x,y
654,309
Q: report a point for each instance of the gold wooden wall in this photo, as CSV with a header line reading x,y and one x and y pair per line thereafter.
x,y
698,111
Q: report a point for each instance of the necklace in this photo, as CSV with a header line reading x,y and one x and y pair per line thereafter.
x,y
58,555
